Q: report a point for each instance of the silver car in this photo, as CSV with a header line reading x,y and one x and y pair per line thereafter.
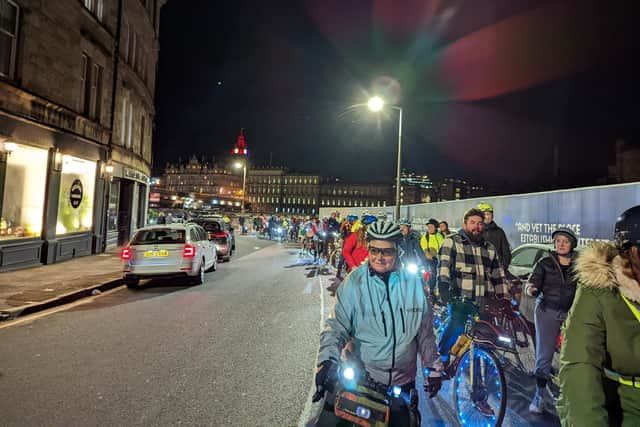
x,y
167,251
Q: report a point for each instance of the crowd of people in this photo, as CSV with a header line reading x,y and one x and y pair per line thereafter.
x,y
383,310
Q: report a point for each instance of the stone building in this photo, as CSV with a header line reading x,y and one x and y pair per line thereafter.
x,y
74,158
336,193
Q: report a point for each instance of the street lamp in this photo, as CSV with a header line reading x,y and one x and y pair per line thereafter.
x,y
376,104
242,165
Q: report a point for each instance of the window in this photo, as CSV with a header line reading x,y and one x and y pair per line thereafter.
x,y
8,37
130,126
91,88
96,92
95,6
22,199
75,205
142,130
525,258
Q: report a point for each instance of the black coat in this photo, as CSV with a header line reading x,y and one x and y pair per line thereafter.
x,y
496,236
555,291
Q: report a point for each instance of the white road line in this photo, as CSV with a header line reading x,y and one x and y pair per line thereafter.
x,y
44,313
309,406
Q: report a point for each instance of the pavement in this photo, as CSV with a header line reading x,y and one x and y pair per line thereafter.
x,y
34,289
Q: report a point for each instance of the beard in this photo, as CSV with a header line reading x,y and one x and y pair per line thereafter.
x,y
474,237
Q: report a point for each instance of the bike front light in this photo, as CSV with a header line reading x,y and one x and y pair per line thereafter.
x,y
349,374
504,339
397,390
363,412
279,230
412,268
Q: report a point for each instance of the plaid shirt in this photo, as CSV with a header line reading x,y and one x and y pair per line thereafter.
x,y
470,267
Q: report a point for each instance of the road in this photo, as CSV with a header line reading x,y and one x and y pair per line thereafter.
x,y
237,351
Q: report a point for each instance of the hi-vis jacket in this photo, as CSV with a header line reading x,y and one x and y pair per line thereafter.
x,y
389,324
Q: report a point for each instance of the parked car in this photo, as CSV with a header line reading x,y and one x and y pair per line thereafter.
x,y
215,227
525,257
167,251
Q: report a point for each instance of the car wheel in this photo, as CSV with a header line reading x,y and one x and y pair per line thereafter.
x,y
132,283
199,280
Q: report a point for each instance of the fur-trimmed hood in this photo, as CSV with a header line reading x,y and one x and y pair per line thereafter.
x,y
600,266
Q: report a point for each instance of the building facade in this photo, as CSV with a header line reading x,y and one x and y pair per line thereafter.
x,y
342,194
74,158
453,189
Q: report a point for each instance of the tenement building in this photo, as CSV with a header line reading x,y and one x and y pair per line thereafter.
x,y
74,158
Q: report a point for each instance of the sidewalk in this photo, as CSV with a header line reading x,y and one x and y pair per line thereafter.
x,y
34,289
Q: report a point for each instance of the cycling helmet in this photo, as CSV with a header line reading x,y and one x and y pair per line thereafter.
x,y
352,218
369,219
485,207
627,231
384,230
567,232
433,222
404,221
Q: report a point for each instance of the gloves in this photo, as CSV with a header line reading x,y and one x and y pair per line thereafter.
x,y
433,384
326,376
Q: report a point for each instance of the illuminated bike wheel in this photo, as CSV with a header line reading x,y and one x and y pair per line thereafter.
x,y
484,403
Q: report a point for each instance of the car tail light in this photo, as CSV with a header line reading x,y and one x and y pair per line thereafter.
x,y
219,235
189,251
125,255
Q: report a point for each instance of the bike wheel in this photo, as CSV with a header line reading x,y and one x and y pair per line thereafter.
x,y
483,401
524,341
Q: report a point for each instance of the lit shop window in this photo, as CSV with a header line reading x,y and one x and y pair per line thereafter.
x,y
75,207
23,196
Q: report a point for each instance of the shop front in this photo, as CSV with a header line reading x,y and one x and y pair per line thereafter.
x,y
127,208
51,195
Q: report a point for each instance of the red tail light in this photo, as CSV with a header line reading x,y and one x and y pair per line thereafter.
x,y
125,255
189,251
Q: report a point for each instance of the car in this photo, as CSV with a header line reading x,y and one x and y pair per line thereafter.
x,y
171,250
220,235
525,257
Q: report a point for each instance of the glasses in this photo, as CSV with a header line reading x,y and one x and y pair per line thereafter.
x,y
387,252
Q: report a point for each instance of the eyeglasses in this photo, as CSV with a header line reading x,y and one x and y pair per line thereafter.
x,y
387,252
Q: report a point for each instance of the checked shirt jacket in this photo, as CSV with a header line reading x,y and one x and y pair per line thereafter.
x,y
470,269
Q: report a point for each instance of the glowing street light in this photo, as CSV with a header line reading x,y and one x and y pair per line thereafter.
x,y
376,104
242,165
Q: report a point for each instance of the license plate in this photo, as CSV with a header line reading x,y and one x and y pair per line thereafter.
x,y
155,254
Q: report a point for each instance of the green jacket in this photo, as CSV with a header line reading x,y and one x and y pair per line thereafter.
x,y
601,332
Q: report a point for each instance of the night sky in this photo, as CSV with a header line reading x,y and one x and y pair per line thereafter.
x,y
488,88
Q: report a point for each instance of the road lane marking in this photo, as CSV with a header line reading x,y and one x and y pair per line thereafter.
x,y
309,406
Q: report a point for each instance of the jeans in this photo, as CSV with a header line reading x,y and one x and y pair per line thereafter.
x,y
548,322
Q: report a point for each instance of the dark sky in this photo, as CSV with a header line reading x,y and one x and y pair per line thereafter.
x,y
488,88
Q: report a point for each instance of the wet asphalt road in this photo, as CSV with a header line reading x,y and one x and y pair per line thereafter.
x,y
236,351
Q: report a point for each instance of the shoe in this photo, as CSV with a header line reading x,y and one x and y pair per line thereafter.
x,y
536,406
483,407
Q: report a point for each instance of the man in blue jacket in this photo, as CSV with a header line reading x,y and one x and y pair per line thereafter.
x,y
384,312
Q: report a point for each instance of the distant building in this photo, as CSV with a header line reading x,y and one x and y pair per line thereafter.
x,y
627,163
264,189
200,176
453,189
336,193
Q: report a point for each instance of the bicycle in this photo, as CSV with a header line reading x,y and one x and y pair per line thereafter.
x,y
479,384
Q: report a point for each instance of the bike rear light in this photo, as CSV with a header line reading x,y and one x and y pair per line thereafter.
x,y
189,251
125,255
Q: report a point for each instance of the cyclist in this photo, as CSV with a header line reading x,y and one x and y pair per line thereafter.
x,y
468,274
383,310
432,239
443,227
412,253
554,285
496,235
354,249
600,368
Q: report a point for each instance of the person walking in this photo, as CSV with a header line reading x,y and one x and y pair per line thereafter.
x,y
554,285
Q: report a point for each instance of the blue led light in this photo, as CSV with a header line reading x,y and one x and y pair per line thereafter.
x,y
349,374
397,390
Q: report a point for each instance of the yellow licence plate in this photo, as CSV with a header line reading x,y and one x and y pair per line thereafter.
x,y
152,254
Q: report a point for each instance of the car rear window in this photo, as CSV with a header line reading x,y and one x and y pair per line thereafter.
x,y
211,227
222,240
158,236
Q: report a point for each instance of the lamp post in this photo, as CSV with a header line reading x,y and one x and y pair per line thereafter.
x,y
376,104
242,165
